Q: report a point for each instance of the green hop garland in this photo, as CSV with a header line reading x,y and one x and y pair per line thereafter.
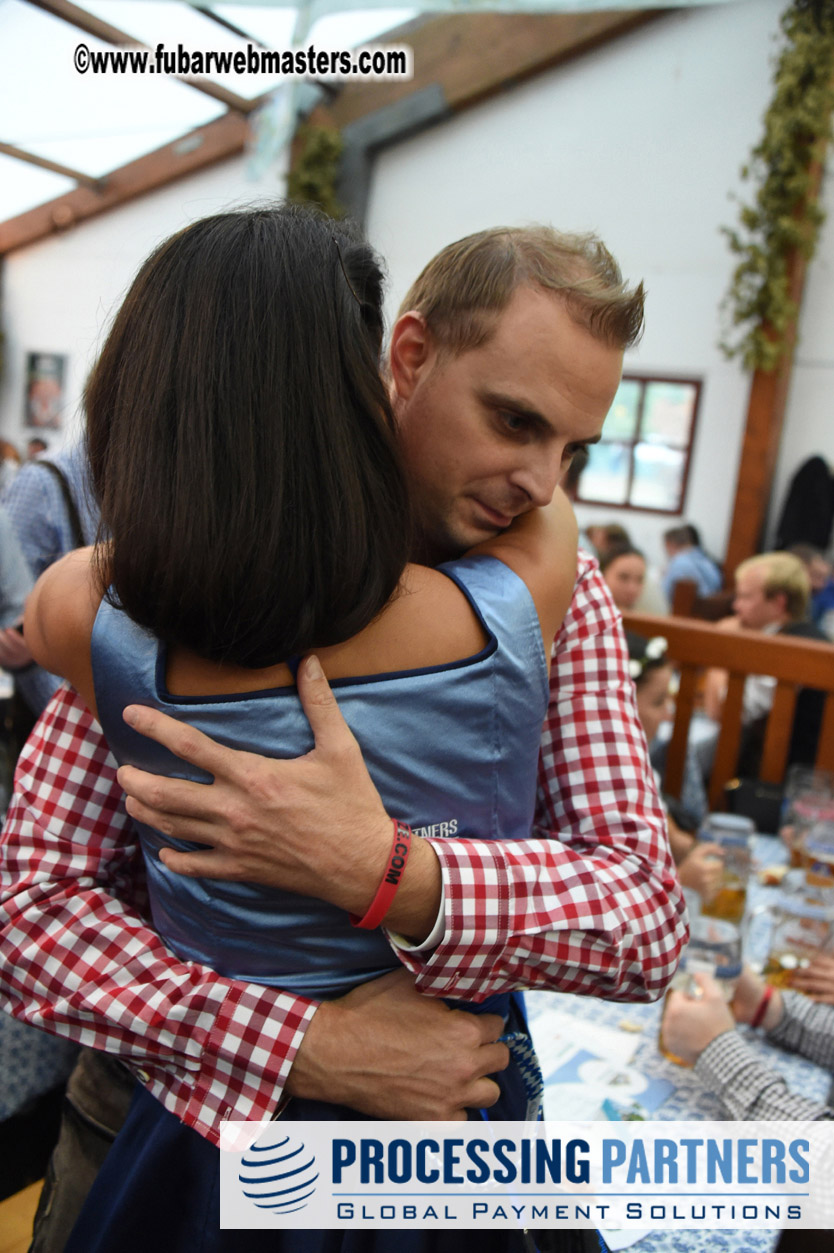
x,y
315,172
785,215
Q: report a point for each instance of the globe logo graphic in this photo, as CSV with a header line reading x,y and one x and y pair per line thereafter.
x,y
277,1175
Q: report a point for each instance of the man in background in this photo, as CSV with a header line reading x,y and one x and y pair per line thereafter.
x,y
773,594
688,562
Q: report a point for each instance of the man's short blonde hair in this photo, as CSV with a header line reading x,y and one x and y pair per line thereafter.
x,y
783,573
464,289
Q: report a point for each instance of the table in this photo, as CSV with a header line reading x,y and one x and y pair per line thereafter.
x,y
690,1100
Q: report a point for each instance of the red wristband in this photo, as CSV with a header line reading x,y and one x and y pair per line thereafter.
x,y
391,879
761,1010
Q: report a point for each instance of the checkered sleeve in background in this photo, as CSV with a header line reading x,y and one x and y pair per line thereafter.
x,y
748,1087
78,959
591,902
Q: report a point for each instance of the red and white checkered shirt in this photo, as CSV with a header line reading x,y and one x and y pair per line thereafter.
x,y
590,903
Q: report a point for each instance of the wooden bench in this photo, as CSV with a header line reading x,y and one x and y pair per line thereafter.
x,y
794,663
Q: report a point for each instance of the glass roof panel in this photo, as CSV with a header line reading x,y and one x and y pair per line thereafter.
x,y
158,21
93,123
25,186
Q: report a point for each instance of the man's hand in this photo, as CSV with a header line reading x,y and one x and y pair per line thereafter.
x,y
817,979
14,653
314,825
689,1025
703,870
387,1051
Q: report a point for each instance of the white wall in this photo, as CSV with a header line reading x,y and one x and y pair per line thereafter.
x,y
59,294
641,141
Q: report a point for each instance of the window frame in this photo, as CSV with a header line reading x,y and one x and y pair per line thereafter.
x,y
645,379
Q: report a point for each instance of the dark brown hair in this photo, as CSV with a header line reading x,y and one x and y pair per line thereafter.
x,y
468,284
241,440
616,551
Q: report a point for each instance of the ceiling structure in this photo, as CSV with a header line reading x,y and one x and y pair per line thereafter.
x,y
74,144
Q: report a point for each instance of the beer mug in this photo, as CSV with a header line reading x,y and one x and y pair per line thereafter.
x,y
808,799
801,925
714,948
734,834
817,855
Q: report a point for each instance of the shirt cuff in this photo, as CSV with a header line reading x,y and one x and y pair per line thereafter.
x,y
720,1059
434,937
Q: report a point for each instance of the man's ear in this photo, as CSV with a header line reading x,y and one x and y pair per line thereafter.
x,y
780,600
412,350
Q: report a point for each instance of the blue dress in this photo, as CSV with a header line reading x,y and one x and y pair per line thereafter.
x,y
453,750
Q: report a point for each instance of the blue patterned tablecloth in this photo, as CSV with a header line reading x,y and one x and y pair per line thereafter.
x,y
690,1100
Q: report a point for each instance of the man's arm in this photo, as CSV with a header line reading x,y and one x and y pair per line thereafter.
x,y
702,1031
78,959
590,903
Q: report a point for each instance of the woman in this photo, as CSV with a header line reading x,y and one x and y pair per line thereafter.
x,y
624,570
242,449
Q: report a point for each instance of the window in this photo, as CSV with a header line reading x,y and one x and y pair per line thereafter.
x,y
642,460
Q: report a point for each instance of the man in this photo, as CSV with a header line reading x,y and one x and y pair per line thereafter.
x,y
822,586
589,903
688,562
51,506
772,595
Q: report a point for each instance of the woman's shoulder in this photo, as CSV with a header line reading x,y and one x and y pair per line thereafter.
x,y
60,613
429,621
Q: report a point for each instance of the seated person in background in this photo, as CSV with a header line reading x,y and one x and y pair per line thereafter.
x,y
624,569
605,536
688,561
772,595
702,1031
822,586
698,862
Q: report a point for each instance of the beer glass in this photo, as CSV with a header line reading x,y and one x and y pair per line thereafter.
x,y
714,948
801,925
734,834
817,855
808,799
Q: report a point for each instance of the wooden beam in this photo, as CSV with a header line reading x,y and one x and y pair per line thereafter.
x,y
217,141
765,419
19,154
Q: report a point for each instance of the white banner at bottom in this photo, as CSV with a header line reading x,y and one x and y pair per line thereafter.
x,y
520,1175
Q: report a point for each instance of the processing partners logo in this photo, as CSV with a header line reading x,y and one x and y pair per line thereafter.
x,y
502,1176
276,1174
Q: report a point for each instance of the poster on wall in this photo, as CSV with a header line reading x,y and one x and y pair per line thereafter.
x,y
45,374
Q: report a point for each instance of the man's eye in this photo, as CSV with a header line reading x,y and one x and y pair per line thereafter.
x,y
514,422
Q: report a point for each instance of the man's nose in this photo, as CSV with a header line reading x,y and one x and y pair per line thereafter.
x,y
539,476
